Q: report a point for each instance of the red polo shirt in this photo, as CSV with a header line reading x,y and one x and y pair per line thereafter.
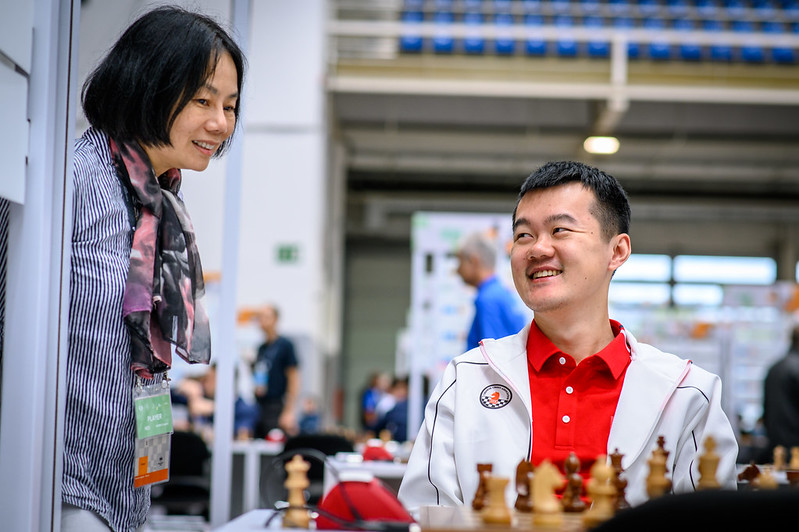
x,y
573,404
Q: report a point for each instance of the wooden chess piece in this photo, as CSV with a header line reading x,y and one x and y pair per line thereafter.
x,y
496,511
572,500
524,477
602,493
750,473
619,483
548,510
765,480
794,463
708,464
779,458
297,515
483,474
657,483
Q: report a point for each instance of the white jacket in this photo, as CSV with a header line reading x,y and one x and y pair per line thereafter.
x,y
662,395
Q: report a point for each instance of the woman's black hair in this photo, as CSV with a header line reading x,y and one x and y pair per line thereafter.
x,y
151,73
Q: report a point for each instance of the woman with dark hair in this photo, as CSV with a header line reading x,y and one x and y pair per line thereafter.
x,y
165,98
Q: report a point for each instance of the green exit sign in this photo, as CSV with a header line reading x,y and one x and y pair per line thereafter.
x,y
288,253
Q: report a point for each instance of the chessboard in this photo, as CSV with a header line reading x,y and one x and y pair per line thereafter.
x,y
461,518
537,508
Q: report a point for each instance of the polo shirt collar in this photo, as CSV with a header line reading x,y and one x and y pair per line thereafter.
x,y
615,355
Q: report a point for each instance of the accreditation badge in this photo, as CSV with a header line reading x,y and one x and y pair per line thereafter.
x,y
153,408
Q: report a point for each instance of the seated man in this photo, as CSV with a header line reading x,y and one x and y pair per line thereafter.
x,y
573,380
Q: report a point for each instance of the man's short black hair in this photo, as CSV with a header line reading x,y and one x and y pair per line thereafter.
x,y
612,207
151,73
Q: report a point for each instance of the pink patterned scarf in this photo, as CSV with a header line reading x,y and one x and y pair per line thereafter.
x,y
163,302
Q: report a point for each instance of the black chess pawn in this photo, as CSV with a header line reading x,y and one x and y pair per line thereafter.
x,y
619,482
572,500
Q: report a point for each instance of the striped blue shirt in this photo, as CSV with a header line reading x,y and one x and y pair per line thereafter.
x,y
100,428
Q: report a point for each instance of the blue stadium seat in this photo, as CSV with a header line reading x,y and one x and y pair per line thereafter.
x,y
677,8
443,40
566,45
718,52
472,5
534,43
648,7
658,50
413,5
689,51
735,8
473,43
750,53
410,39
503,6
779,54
619,7
764,8
596,48
633,48
707,8
560,6
504,45
590,7
532,6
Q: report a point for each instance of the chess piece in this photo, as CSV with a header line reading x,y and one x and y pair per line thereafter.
x,y
708,463
619,483
657,483
297,515
572,500
483,474
779,458
524,477
602,493
794,463
750,473
548,510
765,480
496,511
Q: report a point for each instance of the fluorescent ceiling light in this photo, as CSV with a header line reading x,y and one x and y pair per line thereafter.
x,y
603,145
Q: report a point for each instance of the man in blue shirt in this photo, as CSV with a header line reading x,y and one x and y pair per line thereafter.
x,y
497,312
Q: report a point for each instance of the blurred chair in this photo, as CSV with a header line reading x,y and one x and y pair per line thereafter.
x,y
690,50
750,52
779,54
188,490
410,40
535,44
658,49
718,52
566,44
474,43
596,48
443,39
504,44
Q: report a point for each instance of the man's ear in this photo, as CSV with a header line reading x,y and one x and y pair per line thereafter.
x,y
621,251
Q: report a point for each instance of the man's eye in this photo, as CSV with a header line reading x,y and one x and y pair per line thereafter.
x,y
520,236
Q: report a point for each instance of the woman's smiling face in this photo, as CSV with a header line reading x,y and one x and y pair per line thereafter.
x,y
203,124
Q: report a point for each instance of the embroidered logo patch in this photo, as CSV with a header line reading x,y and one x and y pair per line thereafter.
x,y
495,396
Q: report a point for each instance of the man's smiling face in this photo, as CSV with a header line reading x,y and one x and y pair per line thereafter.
x,y
560,257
